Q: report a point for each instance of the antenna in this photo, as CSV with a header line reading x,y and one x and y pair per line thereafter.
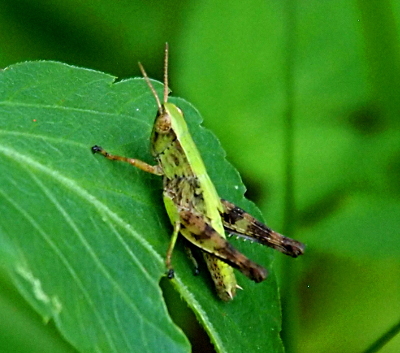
x,y
159,105
166,74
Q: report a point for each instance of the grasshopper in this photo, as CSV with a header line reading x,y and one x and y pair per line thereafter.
x,y
193,205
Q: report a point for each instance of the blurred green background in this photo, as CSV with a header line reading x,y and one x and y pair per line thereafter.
x,y
304,97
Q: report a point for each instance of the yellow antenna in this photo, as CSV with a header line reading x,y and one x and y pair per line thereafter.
x,y
159,105
166,74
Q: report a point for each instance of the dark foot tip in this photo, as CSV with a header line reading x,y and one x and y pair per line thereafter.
x,y
96,149
170,273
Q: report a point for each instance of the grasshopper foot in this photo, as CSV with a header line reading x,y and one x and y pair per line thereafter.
x,y
170,273
96,149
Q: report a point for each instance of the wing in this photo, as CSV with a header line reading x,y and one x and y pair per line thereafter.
x,y
238,221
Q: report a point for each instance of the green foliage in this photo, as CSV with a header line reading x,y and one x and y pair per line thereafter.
x,y
230,59
84,238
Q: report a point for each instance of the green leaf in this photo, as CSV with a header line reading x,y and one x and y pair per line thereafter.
x,y
84,238
21,328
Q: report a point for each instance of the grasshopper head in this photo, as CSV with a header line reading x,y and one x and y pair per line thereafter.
x,y
162,123
165,128
162,134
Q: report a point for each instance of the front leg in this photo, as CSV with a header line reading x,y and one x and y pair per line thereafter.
x,y
153,169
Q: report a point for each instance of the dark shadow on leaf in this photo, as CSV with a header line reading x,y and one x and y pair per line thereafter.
x,y
322,208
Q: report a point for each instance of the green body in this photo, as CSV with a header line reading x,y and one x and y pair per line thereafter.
x,y
187,186
194,207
